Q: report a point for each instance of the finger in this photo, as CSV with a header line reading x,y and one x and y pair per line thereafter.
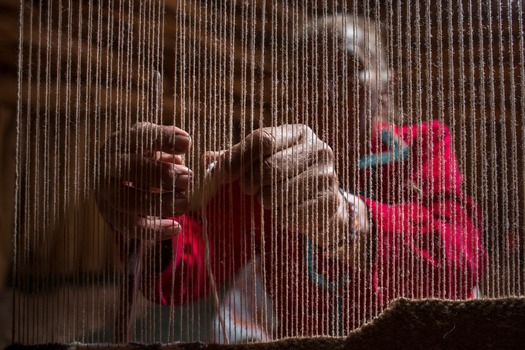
x,y
259,144
154,229
286,164
312,217
134,201
308,185
168,158
145,173
148,137
149,229
134,226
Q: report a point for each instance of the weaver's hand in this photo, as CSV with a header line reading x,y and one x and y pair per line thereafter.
x,y
143,179
291,171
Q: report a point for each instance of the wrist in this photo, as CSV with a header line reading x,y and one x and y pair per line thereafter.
x,y
358,211
354,226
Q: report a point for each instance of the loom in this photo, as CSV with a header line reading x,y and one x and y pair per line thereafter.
x,y
89,71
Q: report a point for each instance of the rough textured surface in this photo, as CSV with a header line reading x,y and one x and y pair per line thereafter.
x,y
437,324
407,324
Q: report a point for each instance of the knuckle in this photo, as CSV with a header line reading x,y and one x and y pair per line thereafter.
x,y
304,131
267,165
274,170
169,174
264,138
307,131
325,153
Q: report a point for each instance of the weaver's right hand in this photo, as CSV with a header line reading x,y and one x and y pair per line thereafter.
x,y
143,181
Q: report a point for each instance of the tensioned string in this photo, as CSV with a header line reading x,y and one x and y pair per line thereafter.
x,y
520,110
461,98
471,83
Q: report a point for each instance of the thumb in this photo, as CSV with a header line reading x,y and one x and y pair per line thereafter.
x,y
210,157
211,183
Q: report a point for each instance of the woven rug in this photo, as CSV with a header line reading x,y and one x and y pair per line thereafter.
x,y
406,324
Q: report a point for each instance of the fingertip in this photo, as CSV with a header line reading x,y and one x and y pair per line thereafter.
x,y
167,157
174,159
182,143
171,230
182,182
181,132
181,169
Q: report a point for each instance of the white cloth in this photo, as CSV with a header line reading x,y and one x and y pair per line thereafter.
x,y
246,309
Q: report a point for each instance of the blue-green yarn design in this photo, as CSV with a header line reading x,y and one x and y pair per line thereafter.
x,y
399,151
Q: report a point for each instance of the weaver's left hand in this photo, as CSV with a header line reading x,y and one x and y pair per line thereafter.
x,y
290,171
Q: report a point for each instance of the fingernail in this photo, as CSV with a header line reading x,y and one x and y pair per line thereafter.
x,y
183,142
166,223
170,231
183,182
182,169
181,132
